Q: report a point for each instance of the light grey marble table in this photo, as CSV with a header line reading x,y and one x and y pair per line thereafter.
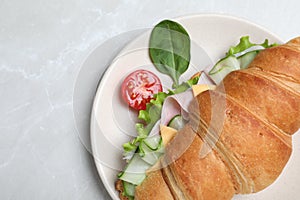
x,y
44,150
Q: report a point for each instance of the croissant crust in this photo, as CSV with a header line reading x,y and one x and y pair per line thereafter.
x,y
239,136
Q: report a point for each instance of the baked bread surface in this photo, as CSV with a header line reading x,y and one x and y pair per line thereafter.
x,y
238,139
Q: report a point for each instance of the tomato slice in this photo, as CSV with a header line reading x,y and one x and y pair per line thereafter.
x,y
139,87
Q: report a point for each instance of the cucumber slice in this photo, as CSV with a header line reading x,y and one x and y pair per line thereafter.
x,y
177,122
151,149
134,172
151,156
129,189
224,67
247,58
153,142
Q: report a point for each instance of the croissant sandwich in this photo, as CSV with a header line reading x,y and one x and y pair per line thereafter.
x,y
239,137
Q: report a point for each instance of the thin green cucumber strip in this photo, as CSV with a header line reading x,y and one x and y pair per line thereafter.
x,y
129,189
247,58
135,170
153,142
227,62
224,67
177,122
151,156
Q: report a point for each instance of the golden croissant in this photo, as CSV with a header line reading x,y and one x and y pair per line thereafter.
x,y
238,139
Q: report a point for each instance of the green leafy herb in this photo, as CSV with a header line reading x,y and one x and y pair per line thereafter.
x,y
170,49
152,114
237,57
170,53
246,44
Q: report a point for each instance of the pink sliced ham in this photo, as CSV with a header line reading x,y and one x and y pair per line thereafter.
x,y
176,104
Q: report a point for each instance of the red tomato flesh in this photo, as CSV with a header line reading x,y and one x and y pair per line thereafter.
x,y
139,87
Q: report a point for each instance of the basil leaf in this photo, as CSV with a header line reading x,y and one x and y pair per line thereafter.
x,y
169,49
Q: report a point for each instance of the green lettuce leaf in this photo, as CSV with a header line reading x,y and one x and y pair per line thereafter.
x,y
246,44
151,115
237,57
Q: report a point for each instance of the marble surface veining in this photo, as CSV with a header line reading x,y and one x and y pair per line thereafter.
x,y
42,46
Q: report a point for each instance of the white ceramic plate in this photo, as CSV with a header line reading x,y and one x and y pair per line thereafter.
x,y
112,123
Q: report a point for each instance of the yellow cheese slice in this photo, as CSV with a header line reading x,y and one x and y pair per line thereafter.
x,y
167,134
197,89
